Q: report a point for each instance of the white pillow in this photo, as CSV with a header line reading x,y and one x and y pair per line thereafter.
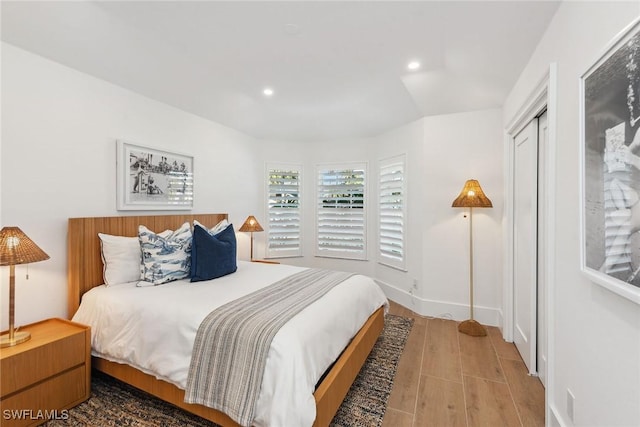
x,y
165,258
120,259
216,229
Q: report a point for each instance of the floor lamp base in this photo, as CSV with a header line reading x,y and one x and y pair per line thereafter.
x,y
473,328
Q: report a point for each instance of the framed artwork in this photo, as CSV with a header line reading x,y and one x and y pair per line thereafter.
x,y
610,166
153,179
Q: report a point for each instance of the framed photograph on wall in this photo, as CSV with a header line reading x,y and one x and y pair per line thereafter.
x,y
610,166
153,179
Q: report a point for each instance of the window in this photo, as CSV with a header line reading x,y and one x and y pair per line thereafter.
x,y
341,211
392,208
283,211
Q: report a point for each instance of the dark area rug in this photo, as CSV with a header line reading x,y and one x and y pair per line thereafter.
x,y
113,403
367,398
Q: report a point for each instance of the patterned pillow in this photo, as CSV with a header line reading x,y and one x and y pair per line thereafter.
x,y
164,258
121,258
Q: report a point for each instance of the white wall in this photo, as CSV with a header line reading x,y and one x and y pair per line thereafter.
x,y
58,147
399,285
58,161
458,147
442,153
309,155
595,343
59,129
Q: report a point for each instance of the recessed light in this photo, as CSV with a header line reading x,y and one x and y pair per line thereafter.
x,y
267,91
413,65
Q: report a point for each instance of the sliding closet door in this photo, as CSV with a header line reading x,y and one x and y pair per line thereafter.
x,y
525,243
543,206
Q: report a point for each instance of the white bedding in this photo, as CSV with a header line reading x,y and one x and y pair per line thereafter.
x,y
154,328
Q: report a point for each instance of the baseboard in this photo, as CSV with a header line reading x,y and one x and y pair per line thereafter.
x,y
442,309
500,321
554,419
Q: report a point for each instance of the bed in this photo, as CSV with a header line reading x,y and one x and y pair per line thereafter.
x,y
85,273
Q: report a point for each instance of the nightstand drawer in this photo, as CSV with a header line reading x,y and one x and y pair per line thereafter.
x,y
39,363
45,375
45,400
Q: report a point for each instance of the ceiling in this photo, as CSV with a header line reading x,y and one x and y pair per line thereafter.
x,y
338,69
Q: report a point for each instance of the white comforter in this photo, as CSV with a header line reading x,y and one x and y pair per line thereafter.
x,y
154,328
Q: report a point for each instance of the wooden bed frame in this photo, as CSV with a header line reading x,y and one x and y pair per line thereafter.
x,y
85,272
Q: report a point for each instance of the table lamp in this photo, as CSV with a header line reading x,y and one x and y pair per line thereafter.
x,y
16,248
471,197
251,225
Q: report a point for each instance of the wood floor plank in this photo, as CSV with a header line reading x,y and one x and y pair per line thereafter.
x,y
397,309
489,403
527,392
441,357
479,358
440,403
405,385
395,418
505,350
495,387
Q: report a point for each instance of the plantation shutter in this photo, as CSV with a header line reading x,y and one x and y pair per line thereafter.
x,y
283,211
341,211
392,194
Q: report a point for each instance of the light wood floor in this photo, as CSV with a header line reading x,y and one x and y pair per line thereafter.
x,y
446,378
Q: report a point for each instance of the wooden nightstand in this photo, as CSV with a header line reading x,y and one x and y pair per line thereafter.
x,y
45,375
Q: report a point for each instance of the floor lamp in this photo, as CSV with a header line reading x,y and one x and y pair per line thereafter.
x,y
250,225
16,248
471,197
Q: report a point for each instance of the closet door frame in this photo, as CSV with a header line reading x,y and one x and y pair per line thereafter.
x,y
544,95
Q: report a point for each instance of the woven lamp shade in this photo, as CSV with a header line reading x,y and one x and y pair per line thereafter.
x,y
472,196
251,225
17,248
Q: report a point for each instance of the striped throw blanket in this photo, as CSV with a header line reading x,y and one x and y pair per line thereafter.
x,y
232,342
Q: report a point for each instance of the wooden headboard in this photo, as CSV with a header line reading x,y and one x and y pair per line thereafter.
x,y
84,264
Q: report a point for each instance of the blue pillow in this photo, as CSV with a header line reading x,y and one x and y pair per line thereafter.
x,y
212,255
